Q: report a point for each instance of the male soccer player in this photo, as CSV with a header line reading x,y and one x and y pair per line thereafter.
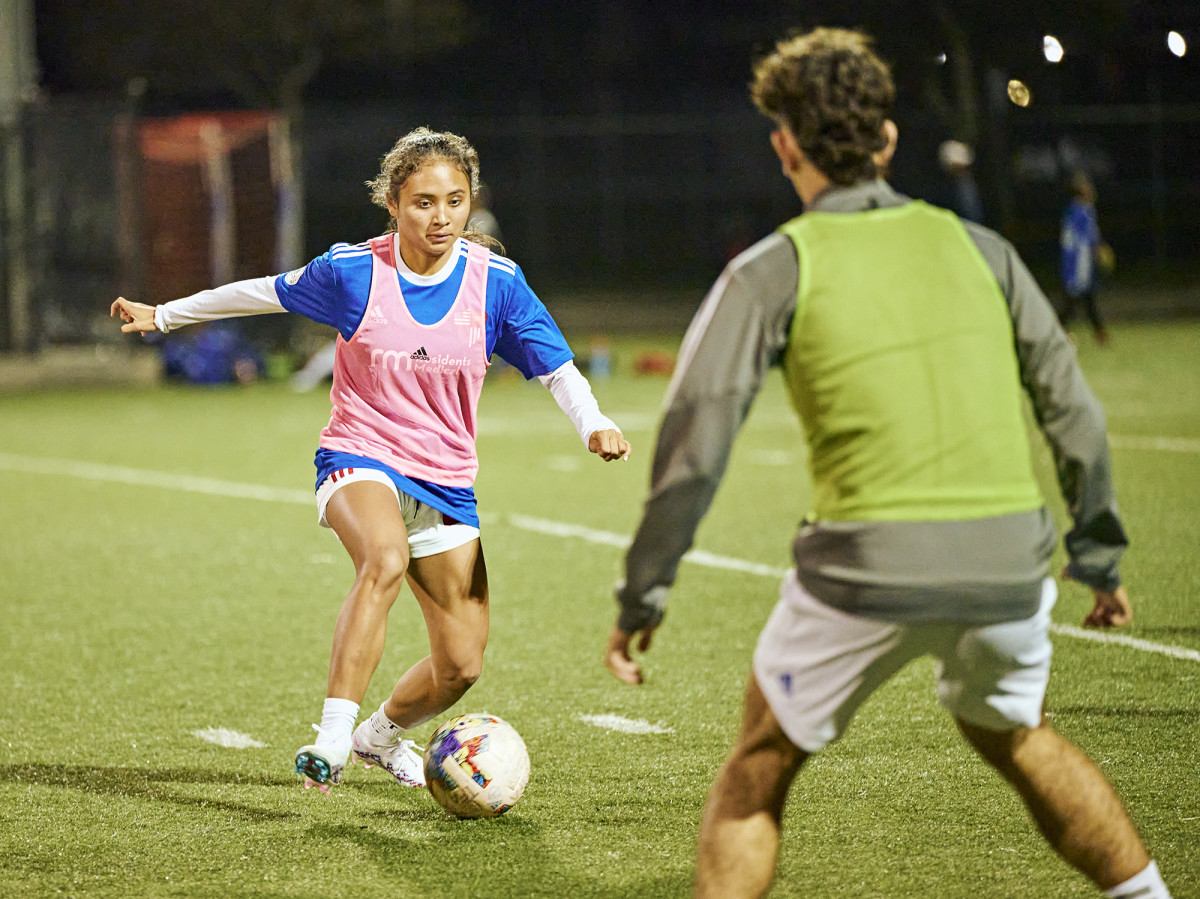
x,y
905,337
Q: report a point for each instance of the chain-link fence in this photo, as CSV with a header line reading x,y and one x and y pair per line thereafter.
x,y
619,202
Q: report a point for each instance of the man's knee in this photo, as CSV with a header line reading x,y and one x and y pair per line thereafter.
x,y
763,763
1000,748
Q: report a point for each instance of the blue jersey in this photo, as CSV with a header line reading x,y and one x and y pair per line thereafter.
x,y
333,290
1078,241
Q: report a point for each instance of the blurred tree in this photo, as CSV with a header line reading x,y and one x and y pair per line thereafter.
x,y
263,54
958,57
947,50
170,56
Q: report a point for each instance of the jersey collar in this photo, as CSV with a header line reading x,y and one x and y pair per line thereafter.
x,y
426,280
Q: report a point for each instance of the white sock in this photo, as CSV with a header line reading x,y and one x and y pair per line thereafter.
x,y
1146,885
384,729
337,721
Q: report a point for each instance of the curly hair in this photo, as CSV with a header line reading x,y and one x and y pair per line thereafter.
x,y
417,149
834,94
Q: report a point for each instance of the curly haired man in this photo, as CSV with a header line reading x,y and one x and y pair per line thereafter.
x,y
906,337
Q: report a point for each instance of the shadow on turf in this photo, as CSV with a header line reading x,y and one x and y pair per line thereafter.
x,y
149,783
155,784
518,860
1176,631
1096,711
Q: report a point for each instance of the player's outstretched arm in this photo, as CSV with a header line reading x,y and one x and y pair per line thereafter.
x,y
609,444
738,333
137,316
254,296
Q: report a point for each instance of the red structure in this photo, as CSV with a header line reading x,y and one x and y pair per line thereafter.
x,y
217,200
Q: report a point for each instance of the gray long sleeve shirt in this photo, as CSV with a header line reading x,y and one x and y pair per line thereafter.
x,y
980,570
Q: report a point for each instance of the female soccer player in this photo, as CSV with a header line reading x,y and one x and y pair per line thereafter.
x,y
419,312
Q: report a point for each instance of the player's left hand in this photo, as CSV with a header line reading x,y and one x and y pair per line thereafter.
x,y
609,444
1112,609
617,658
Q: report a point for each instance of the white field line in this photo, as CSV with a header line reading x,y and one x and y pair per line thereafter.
x,y
625,725
711,560
1157,444
140,477
230,739
237,490
562,529
620,541
1175,652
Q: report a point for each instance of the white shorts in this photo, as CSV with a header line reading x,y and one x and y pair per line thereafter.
x,y
816,665
429,533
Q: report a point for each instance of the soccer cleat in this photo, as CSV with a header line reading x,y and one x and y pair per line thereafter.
x,y
321,765
402,760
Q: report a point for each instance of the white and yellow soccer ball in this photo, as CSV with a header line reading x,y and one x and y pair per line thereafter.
x,y
476,766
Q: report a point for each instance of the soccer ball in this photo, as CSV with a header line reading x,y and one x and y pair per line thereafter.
x,y
476,766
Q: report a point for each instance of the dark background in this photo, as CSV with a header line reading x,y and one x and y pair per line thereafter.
x,y
617,138
572,55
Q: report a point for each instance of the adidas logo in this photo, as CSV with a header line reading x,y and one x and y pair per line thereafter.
x,y
375,317
421,354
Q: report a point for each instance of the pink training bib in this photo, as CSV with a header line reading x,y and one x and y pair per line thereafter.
x,y
405,393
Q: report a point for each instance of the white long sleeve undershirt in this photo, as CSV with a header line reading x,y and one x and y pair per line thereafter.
x,y
573,394
256,296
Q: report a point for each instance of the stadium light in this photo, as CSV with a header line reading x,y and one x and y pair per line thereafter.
x,y
1018,92
1052,49
940,59
1176,44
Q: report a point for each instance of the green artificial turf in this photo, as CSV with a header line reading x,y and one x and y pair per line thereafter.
x,y
135,614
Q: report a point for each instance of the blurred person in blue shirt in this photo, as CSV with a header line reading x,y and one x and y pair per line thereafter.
x,y
1083,254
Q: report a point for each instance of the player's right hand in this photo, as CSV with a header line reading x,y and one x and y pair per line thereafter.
x,y
1112,609
137,316
617,658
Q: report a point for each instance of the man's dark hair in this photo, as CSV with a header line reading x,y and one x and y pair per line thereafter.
x,y
834,94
